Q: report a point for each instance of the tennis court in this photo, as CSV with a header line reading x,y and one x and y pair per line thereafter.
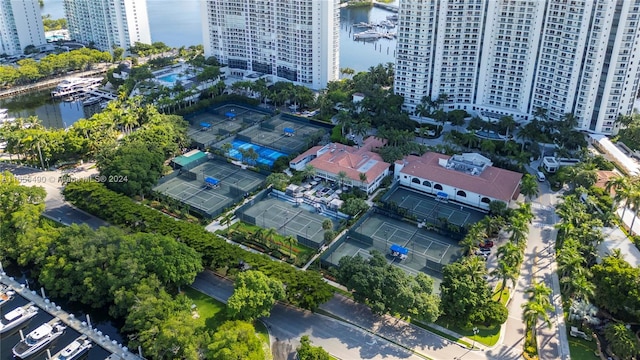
x,y
428,208
212,124
192,187
298,220
287,136
428,251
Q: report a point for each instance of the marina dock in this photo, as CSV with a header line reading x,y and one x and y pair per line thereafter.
x,y
119,351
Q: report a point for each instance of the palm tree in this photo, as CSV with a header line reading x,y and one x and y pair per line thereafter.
x,y
342,176
226,147
511,254
363,178
505,272
252,156
538,306
529,187
475,235
309,171
507,123
579,285
290,240
226,219
270,235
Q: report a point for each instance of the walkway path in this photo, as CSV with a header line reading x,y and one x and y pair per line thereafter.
x,y
552,342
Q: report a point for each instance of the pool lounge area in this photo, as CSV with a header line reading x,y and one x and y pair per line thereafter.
x,y
266,156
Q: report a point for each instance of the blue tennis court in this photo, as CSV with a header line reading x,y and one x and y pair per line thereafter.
x,y
265,156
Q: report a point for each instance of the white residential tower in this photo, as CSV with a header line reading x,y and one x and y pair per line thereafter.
x,y
20,26
108,23
513,57
294,40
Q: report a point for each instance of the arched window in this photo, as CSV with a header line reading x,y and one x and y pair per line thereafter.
x,y
461,193
437,187
426,183
415,181
485,200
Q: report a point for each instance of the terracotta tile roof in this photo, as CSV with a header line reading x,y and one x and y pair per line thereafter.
x,y
493,182
351,160
603,177
305,154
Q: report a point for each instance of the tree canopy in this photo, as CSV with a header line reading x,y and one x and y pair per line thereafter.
x,y
235,340
254,295
387,289
306,351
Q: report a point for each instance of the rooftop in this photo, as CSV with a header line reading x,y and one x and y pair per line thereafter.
x,y
335,157
470,172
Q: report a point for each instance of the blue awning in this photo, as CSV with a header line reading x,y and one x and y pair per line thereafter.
x,y
205,125
230,114
211,181
399,249
442,194
289,130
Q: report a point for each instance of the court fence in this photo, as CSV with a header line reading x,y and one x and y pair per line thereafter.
x,y
440,225
241,211
327,255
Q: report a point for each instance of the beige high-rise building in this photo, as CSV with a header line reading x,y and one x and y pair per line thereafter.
x,y
108,23
294,40
510,57
20,26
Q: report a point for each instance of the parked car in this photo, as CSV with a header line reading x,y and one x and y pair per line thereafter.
x,y
486,245
485,250
482,255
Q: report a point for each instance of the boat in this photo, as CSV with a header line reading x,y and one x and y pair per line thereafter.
x,y
367,35
4,116
38,339
17,316
393,17
92,101
74,350
6,294
364,25
70,87
387,24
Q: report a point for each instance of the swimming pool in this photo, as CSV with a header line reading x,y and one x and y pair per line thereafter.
x,y
171,78
265,156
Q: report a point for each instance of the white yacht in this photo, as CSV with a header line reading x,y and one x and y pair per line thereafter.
x,y
4,117
70,88
367,35
17,316
74,350
38,339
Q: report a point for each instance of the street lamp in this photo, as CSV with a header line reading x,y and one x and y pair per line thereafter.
x,y
306,232
475,332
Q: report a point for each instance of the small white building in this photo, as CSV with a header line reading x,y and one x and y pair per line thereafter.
x,y
468,178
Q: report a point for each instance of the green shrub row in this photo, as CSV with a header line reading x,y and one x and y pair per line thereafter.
x,y
305,289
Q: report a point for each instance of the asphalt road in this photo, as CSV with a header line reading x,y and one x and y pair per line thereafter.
x,y
288,324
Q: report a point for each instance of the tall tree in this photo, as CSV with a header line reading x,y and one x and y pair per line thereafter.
x,y
538,306
529,186
236,340
254,295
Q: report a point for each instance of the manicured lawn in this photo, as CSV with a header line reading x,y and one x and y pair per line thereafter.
x,y
485,336
505,294
212,312
582,349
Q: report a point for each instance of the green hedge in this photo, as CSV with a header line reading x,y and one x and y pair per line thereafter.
x,y
305,289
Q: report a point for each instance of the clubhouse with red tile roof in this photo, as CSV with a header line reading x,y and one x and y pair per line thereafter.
x,y
468,178
332,159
